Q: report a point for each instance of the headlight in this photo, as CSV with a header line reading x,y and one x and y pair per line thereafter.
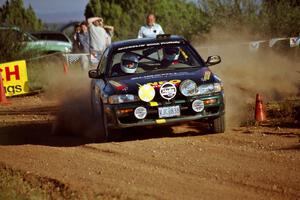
x,y
124,98
188,88
210,88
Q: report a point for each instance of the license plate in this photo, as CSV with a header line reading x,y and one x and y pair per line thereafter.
x,y
170,111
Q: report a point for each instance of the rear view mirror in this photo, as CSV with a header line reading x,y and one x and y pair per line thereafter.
x,y
94,73
213,60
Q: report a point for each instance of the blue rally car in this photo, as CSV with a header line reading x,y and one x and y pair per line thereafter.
x,y
163,80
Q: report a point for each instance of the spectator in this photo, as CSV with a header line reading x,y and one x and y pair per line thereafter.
x,y
76,43
151,29
84,40
99,39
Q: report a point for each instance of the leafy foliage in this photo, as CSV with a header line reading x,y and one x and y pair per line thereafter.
x,y
189,18
14,13
270,18
281,17
175,16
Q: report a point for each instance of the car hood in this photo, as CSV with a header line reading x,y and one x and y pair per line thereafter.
x,y
131,84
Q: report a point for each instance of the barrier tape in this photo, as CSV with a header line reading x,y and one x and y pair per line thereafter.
x,y
44,56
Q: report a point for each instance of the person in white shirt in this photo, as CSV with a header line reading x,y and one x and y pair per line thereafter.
x,y
99,38
151,29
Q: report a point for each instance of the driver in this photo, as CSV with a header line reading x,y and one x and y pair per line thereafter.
x,y
128,65
171,56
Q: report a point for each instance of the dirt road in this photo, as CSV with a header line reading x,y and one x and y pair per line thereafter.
x,y
181,162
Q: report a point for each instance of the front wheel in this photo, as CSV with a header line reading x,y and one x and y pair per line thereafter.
x,y
99,130
218,124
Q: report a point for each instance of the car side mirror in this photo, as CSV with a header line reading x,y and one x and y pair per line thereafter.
x,y
213,60
94,73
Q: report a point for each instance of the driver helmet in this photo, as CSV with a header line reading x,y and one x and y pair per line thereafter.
x,y
171,53
129,62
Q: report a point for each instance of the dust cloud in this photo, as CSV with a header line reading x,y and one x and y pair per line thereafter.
x,y
71,91
245,72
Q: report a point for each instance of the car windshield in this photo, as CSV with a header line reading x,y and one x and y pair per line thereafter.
x,y
154,58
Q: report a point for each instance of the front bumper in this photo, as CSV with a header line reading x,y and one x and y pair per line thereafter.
x,y
122,115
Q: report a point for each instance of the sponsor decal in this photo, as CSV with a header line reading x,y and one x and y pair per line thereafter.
x,y
294,41
146,93
118,85
161,121
168,91
158,84
14,77
153,104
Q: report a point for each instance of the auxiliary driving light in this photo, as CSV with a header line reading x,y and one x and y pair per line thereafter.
x,y
198,105
140,112
210,101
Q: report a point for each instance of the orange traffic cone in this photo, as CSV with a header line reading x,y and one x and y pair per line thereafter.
x,y
66,68
3,99
259,110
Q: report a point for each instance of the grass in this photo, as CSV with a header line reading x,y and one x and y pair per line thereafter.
x,y
17,185
284,113
42,69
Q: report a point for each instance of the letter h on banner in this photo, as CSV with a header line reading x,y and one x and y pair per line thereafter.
x,y
15,73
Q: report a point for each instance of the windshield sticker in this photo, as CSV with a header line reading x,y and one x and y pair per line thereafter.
x,y
148,45
132,47
160,76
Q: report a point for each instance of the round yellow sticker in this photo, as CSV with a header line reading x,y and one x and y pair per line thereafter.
x,y
146,93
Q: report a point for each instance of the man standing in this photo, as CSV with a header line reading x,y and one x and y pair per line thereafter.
x,y
84,40
99,39
151,29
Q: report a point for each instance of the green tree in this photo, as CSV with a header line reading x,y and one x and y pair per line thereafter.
x,y
281,17
92,9
14,13
31,20
232,15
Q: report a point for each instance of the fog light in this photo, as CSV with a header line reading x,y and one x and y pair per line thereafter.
x,y
140,112
197,105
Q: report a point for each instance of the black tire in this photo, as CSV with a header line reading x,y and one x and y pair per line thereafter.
x,y
218,124
100,130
